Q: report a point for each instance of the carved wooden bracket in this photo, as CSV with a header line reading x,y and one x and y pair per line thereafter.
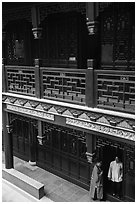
x,y
37,32
90,157
92,27
40,140
9,128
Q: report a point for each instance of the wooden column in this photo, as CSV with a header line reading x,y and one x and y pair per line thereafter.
x,y
32,145
4,85
37,78
90,84
37,30
91,147
93,50
8,144
4,76
40,137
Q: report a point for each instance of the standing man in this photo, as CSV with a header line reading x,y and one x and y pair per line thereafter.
x,y
96,184
115,174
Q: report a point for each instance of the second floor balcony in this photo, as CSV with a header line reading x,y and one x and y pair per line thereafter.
x,y
105,89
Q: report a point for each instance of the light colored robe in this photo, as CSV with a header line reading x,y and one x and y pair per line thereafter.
x,y
96,182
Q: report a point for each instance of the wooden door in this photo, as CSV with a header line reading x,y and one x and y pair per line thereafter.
x,y
64,153
22,130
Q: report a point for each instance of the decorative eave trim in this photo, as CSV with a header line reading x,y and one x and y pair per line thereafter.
x,y
98,122
73,106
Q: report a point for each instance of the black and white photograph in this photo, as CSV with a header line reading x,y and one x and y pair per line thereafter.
x,y
68,101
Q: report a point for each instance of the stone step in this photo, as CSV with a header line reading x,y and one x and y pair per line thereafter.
x,y
24,182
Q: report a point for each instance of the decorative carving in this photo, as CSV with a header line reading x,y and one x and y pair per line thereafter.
x,y
9,128
112,125
22,101
116,93
21,81
60,109
124,124
117,25
103,120
37,62
37,32
92,27
3,98
100,128
90,157
70,87
41,139
34,104
12,99
30,112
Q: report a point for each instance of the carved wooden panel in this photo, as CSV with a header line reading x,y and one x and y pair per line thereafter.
x,y
66,86
116,91
21,80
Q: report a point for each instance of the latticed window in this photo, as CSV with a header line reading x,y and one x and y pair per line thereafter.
x,y
118,36
15,43
19,43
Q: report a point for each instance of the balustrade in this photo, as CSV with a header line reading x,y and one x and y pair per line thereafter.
x,y
115,90
112,90
64,84
21,79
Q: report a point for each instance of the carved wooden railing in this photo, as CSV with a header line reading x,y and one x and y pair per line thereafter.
x,y
112,90
115,90
64,84
20,79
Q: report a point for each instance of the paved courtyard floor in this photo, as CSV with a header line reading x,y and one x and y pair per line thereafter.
x,y
56,188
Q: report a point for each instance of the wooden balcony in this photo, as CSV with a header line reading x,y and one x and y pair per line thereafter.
x,y
106,89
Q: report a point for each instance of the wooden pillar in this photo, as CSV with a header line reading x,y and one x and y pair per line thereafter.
x,y
37,78
4,76
37,30
93,50
4,85
90,84
40,137
8,144
91,147
32,145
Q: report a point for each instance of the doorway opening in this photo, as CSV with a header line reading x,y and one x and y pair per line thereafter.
x,y
109,154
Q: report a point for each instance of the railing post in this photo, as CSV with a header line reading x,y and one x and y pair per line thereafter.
x,y
37,78
90,84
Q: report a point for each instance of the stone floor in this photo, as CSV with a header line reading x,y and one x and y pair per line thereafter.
x,y
56,188
11,193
